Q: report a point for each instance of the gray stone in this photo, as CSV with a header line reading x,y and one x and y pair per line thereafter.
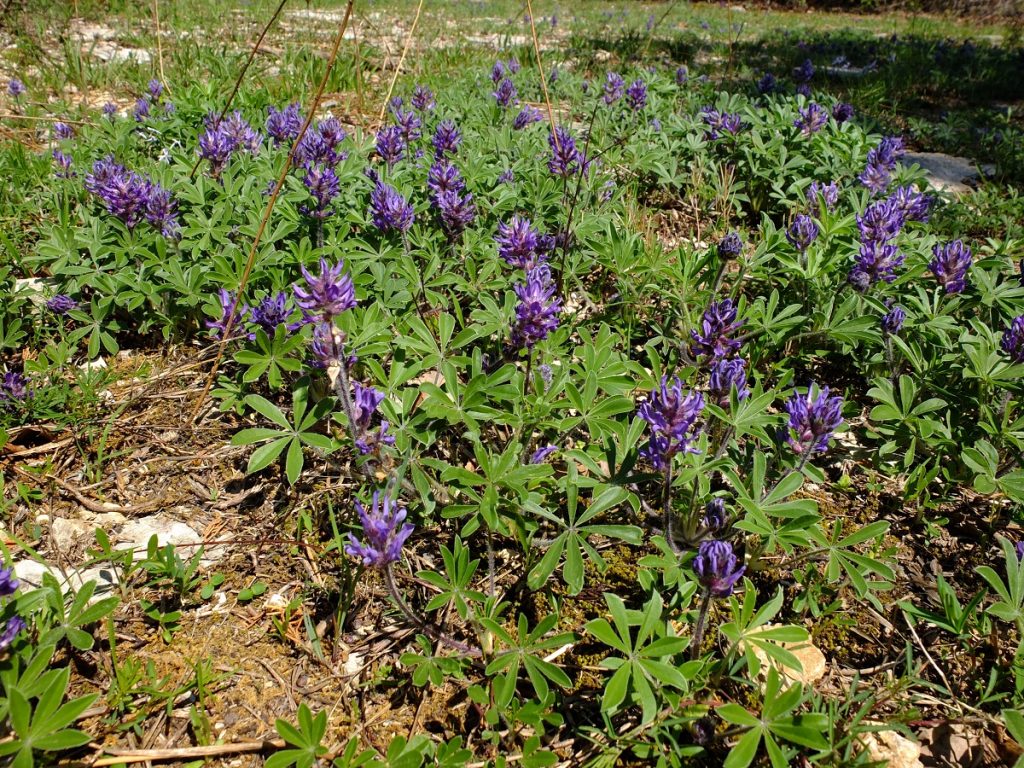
x,y
67,534
946,173
135,535
31,572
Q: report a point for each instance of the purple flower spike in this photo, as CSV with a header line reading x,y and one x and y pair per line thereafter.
x,y
1020,550
887,153
328,294
216,146
892,321
812,119
714,515
506,94
62,165
730,247
519,244
719,123
1013,340
497,72
63,131
819,193
270,313
715,339
682,75
813,420
725,376
141,110
842,112
876,178
241,134
228,306
390,144
636,95
447,139
767,84
422,99
538,308
409,123
12,628
61,304
389,210
13,387
15,88
457,212
674,421
805,72
913,204
538,456
882,221
442,178
613,86
802,232
161,210
283,125
384,533
717,568
155,89
566,159
8,583
323,186
527,116
950,265
876,262
110,109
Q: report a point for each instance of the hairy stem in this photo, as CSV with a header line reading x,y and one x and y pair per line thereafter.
x,y
698,627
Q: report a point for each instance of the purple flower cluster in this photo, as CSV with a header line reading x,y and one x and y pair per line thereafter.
x,y
537,310
892,321
949,264
15,88
812,119
365,401
767,84
876,261
63,131
813,420
390,144
422,99
715,338
802,232
881,163
727,375
271,312
61,304
283,125
15,624
682,75
62,165
14,388
636,95
384,533
613,87
520,245
506,94
410,125
842,112
674,421
804,73
229,310
714,515
327,294
819,193
717,568
319,146
389,211
719,123
1013,340
323,186
455,207
730,247
132,197
527,116
566,160
447,139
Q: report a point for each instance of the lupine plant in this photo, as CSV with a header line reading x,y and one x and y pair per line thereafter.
x,y
512,397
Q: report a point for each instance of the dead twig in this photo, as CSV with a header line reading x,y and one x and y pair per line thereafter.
x,y
184,753
401,61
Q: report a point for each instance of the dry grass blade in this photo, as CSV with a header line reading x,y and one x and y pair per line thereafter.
x,y
185,753
401,61
270,207
245,68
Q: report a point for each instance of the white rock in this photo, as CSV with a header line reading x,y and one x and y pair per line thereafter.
x,y
892,749
30,573
67,533
135,534
812,662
